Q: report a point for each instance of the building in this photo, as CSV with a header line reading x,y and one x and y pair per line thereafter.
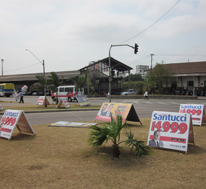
x,y
98,72
188,77
142,70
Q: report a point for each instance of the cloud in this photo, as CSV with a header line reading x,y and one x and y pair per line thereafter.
x,y
77,32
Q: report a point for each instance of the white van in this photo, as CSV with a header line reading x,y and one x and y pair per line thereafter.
x,y
66,92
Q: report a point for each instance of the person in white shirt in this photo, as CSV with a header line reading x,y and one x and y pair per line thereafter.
x,y
146,95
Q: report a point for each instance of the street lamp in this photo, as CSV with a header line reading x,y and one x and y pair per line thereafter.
x,y
42,62
110,68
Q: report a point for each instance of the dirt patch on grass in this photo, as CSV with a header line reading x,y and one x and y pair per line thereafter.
x,y
59,157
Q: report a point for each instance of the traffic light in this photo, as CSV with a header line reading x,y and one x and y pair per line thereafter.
x,y
135,48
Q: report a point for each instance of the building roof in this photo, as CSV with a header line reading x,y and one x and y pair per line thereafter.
x,y
115,64
32,76
187,67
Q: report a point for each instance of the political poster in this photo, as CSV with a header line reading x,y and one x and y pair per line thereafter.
x,y
108,110
15,95
71,124
41,101
12,119
171,130
196,110
83,100
63,101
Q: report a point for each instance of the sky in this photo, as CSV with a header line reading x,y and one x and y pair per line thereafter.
x,y
69,34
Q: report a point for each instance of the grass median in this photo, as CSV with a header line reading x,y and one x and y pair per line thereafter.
x,y
60,157
51,107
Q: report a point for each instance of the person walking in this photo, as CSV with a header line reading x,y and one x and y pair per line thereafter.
x,y
21,97
146,95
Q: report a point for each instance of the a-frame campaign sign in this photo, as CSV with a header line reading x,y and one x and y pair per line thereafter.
x,y
127,111
12,119
171,130
64,101
196,110
41,101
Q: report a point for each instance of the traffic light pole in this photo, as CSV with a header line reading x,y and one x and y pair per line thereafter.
x,y
110,70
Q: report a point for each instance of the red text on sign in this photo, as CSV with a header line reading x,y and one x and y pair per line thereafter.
x,y
166,126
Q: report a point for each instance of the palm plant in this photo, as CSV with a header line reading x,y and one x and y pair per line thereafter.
x,y
111,131
41,84
79,81
54,83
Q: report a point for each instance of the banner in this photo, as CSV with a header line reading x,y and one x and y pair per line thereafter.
x,y
127,112
41,101
83,101
64,101
171,130
12,119
196,110
71,124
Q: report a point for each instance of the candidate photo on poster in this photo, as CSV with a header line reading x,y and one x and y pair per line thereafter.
x,y
156,142
109,113
103,112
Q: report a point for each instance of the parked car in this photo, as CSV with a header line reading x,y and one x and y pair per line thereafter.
x,y
130,92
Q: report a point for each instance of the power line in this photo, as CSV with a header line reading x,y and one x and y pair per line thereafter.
x,y
21,68
179,55
152,24
140,60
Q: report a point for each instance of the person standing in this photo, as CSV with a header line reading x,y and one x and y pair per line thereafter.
x,y
146,95
108,94
21,97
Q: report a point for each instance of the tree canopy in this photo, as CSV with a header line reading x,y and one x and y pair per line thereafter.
x,y
79,81
133,77
159,76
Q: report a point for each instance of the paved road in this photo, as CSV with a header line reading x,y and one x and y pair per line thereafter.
x,y
144,109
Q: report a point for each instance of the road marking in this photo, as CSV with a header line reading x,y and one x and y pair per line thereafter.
x,y
161,103
147,102
174,103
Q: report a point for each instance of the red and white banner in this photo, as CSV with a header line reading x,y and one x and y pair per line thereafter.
x,y
196,110
41,100
171,130
24,88
12,119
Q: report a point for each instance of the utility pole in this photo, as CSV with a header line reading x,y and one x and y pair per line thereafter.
x,y
151,61
2,60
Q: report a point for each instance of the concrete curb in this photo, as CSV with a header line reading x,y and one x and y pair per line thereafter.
x,y
51,111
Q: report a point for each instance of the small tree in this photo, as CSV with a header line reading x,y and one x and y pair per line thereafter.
x,y
134,77
79,81
54,83
159,76
41,84
111,131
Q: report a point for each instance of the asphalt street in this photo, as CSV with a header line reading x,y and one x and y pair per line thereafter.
x,y
144,108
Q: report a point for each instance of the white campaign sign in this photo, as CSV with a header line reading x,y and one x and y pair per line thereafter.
x,y
41,100
170,130
64,100
196,110
12,119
